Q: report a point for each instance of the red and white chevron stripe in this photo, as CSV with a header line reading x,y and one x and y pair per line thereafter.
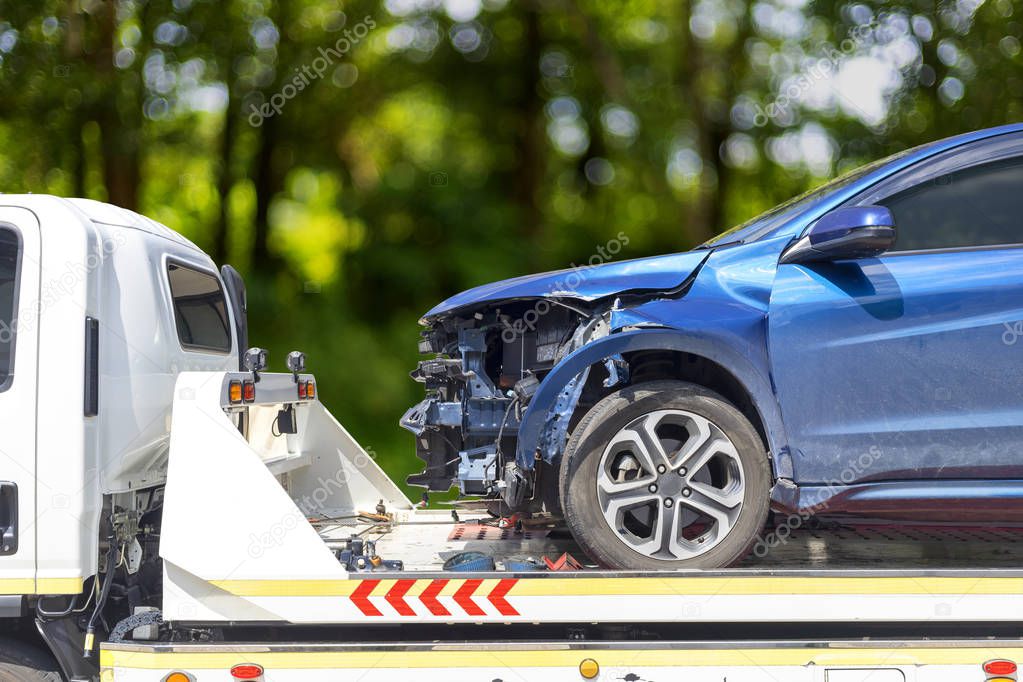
x,y
427,598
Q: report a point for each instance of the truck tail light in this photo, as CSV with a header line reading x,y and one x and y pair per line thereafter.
x,y
247,671
249,391
1000,667
234,392
303,389
310,391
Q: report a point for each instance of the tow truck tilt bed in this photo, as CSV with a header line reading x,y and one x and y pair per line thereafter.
x,y
169,516
489,622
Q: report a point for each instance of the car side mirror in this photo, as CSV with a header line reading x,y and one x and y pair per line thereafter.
x,y
845,234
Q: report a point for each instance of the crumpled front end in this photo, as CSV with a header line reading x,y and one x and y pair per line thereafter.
x,y
485,368
492,347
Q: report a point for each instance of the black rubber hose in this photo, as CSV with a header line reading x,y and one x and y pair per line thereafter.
x,y
101,600
119,631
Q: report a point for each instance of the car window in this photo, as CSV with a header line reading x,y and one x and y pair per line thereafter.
x,y
10,248
977,206
200,309
768,222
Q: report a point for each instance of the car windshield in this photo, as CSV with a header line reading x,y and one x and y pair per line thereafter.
x,y
766,223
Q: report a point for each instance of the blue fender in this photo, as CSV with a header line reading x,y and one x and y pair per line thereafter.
x,y
544,403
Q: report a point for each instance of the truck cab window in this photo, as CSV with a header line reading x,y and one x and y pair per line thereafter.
x,y
9,248
200,309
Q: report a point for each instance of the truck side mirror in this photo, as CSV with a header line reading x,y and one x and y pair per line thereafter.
x,y
234,286
844,234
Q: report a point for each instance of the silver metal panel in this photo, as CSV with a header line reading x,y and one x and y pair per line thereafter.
x,y
11,606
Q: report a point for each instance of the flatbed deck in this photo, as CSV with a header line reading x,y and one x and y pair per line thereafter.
x,y
433,537
841,574
270,567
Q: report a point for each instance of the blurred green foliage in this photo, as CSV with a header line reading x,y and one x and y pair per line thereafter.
x,y
414,148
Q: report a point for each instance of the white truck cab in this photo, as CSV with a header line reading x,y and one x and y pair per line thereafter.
x,y
167,515
100,310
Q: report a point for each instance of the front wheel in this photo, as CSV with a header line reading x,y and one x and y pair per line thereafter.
x,y
665,475
20,662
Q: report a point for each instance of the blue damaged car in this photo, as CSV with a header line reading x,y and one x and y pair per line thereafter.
x,y
855,352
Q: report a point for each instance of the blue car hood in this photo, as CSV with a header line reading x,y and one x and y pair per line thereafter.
x,y
589,283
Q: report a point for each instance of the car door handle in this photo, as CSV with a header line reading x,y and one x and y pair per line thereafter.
x,y
8,518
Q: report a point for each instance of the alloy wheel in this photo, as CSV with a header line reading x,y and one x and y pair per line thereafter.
x,y
670,484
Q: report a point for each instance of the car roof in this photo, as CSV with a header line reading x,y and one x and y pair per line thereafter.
x,y
956,140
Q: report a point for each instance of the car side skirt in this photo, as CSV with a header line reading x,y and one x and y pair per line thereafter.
x,y
959,501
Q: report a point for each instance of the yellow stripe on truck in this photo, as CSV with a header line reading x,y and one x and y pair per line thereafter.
x,y
59,585
512,657
555,587
17,586
41,586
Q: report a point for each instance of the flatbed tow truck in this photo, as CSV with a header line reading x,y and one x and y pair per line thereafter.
x,y
169,517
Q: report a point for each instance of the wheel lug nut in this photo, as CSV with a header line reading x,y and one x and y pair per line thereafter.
x,y
668,502
652,488
661,468
686,492
682,471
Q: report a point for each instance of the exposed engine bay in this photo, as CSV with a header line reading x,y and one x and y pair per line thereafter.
x,y
486,368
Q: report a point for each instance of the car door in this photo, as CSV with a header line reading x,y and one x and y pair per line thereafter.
x,y
19,305
910,366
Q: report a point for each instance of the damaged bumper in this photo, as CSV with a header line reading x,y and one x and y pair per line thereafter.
x,y
459,425
488,363
439,425
484,373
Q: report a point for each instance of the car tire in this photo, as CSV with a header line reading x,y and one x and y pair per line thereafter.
x,y
21,662
600,462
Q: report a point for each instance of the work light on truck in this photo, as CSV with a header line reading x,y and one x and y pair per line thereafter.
x,y
296,363
255,360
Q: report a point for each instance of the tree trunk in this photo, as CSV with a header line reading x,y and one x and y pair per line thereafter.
x,y
73,53
605,61
118,114
224,183
120,159
529,170
267,182
709,115
79,161
710,199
